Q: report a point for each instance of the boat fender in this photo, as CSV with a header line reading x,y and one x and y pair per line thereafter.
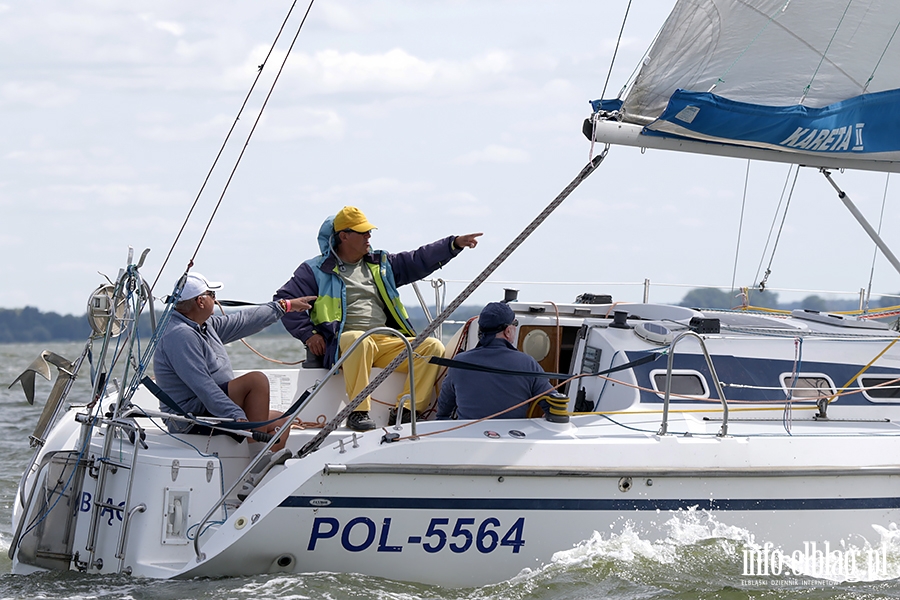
x,y
390,437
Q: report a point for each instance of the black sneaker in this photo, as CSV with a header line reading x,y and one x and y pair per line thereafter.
x,y
392,416
360,421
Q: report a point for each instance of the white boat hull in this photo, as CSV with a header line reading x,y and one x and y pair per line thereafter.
x,y
482,523
471,503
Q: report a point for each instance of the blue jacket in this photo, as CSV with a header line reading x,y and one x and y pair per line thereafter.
x,y
320,277
190,361
476,395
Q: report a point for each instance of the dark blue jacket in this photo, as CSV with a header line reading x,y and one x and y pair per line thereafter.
x,y
476,395
320,277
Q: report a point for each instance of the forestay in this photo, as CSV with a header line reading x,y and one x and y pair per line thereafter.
x,y
815,81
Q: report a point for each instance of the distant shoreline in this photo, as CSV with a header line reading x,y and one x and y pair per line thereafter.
x,y
25,325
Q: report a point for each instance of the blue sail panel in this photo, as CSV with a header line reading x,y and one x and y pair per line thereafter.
x,y
866,126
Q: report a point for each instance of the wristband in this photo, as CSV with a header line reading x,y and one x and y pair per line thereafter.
x,y
288,302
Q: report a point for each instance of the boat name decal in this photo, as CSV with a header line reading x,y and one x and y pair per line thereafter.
x,y
840,139
320,502
360,533
113,514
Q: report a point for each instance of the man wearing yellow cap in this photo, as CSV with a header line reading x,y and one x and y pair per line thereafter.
x,y
356,290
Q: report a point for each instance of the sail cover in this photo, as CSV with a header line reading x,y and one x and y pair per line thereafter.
x,y
792,78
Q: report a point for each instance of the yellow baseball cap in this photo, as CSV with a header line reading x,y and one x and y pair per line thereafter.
x,y
351,217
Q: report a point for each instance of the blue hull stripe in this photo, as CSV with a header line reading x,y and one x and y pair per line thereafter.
x,y
568,504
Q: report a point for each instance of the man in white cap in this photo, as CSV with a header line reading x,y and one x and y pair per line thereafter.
x,y
356,290
193,368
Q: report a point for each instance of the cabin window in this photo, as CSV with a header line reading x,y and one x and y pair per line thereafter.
x,y
887,390
807,385
684,383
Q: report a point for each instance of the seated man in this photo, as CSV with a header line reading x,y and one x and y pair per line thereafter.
x,y
356,290
476,395
193,368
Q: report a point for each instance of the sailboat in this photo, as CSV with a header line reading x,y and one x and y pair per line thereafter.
x,y
781,426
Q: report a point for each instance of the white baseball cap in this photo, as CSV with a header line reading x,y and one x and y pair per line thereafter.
x,y
197,285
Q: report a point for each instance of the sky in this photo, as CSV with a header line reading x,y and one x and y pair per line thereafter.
x,y
435,118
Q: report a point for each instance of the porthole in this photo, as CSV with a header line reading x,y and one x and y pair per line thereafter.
x,y
684,383
536,344
654,332
807,385
885,388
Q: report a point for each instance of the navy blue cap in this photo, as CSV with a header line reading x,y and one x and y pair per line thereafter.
x,y
495,317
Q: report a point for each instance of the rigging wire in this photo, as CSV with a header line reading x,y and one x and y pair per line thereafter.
x,y
875,250
765,279
762,256
737,249
616,51
228,137
612,62
252,130
822,59
880,58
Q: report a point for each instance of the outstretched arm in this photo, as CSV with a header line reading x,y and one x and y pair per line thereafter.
x,y
301,285
470,240
417,264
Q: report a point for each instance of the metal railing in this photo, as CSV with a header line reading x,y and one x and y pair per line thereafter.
x,y
664,427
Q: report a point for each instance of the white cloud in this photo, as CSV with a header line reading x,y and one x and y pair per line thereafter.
x,y
464,204
358,193
340,17
176,29
178,132
77,198
34,94
394,71
494,153
299,123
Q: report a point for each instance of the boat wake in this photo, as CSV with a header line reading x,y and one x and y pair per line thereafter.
x,y
690,534
699,550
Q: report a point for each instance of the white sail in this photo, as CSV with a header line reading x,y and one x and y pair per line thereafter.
x,y
808,81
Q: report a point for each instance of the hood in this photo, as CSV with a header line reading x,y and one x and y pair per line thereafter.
x,y
326,231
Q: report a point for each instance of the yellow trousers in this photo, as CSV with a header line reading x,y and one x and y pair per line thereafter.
x,y
378,351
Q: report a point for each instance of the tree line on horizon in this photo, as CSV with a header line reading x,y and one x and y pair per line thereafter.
x,y
29,325
716,298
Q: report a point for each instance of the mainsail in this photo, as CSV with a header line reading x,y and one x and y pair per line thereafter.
x,y
814,82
